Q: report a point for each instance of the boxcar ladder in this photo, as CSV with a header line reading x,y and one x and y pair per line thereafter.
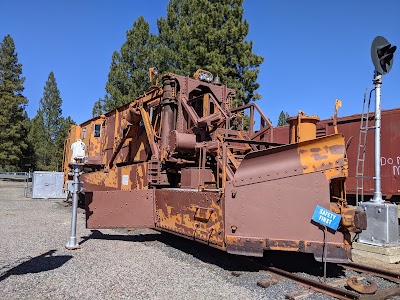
x,y
362,147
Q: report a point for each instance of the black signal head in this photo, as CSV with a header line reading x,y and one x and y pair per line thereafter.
x,y
382,54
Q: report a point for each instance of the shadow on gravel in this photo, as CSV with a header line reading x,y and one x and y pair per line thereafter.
x,y
98,235
293,262
289,261
42,263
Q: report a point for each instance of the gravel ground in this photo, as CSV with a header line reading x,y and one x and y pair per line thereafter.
x,y
115,264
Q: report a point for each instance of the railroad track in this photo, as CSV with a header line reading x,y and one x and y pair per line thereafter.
x,y
332,289
388,275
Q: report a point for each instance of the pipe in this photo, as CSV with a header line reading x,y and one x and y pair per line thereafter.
x,y
377,191
72,243
168,111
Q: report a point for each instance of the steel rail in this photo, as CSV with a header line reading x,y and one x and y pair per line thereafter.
x,y
389,275
308,283
314,284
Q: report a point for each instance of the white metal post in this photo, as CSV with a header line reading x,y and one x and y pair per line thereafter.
x,y
377,191
72,243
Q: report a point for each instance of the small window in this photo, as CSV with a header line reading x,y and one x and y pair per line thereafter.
x,y
97,128
83,133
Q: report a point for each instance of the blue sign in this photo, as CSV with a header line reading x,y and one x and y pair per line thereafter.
x,y
326,217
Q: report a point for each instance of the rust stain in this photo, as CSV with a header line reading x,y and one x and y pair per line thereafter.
x,y
332,162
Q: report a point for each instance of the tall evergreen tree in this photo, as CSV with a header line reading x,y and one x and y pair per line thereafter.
x,y
66,124
98,108
282,118
47,128
12,107
128,76
27,161
50,104
209,34
39,139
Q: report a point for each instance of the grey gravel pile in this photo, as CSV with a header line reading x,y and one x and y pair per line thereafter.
x,y
111,264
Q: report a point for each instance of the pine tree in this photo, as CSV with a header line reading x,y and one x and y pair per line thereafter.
x,y
211,35
39,139
97,108
46,127
27,161
282,118
50,104
128,76
12,107
66,124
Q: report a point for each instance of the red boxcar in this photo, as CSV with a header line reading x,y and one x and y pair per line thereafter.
x,y
349,126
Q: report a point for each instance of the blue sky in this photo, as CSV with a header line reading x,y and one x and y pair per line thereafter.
x,y
315,51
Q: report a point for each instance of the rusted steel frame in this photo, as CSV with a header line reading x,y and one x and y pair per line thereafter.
x,y
256,107
251,129
219,108
250,146
149,132
119,146
314,284
224,164
168,111
260,132
223,131
262,143
389,275
227,172
229,154
206,105
209,119
189,110
232,158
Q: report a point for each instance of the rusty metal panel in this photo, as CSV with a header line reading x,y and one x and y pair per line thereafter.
x,y
195,178
323,154
120,209
198,215
274,194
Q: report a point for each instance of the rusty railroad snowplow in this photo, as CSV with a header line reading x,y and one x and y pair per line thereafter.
x,y
182,159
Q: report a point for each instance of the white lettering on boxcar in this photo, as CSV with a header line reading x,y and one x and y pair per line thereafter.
x,y
393,163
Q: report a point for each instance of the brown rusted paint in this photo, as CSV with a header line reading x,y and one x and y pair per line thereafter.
x,y
120,209
198,215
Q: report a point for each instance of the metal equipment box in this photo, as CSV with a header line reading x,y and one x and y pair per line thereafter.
x,y
382,224
47,185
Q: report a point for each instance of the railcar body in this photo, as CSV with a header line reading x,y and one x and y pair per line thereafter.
x,y
349,126
183,159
